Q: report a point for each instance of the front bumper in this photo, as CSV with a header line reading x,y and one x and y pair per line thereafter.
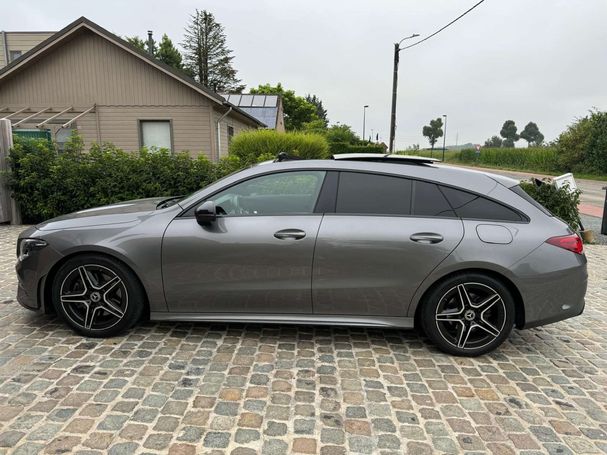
x,y
32,271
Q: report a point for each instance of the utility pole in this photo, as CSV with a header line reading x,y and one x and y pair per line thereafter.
x,y
397,50
444,136
364,118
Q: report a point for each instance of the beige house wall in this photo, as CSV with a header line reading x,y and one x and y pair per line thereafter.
x,y
19,41
89,70
223,131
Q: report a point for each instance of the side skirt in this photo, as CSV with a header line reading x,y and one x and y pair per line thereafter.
x,y
307,319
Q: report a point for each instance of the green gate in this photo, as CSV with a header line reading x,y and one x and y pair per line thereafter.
x,y
33,134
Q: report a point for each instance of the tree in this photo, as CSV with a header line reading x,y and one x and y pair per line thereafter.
x,y
494,141
582,147
508,132
531,133
321,112
139,43
342,133
433,131
297,110
207,55
168,53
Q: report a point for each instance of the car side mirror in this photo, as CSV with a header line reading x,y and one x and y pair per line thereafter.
x,y
206,213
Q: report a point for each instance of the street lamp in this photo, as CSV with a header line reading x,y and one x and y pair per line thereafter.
x,y
444,136
397,50
364,118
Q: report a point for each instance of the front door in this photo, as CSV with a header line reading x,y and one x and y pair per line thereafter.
x,y
257,256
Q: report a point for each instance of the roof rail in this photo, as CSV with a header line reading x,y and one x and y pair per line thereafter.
x,y
284,156
387,158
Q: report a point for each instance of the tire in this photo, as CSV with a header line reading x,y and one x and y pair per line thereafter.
x,y
97,296
478,325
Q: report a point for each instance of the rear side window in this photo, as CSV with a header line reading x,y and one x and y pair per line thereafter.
x,y
468,205
373,194
429,201
522,193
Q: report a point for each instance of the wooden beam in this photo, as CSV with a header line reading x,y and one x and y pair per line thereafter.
x,y
53,117
31,116
65,125
17,112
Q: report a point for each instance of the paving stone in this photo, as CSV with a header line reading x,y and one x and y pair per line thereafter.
x,y
186,388
274,447
215,439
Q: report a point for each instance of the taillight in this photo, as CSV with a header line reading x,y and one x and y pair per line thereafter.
x,y
571,242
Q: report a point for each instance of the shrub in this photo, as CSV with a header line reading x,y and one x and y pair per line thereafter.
x,y
259,145
47,184
583,146
560,201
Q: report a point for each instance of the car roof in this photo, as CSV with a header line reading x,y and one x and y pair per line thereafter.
x,y
404,165
473,180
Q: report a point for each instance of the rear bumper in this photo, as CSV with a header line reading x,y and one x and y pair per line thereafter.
x,y
556,288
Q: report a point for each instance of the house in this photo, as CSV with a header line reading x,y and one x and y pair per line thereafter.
x,y
87,79
265,108
14,44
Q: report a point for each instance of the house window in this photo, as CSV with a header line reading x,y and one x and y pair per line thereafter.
x,y
14,55
230,134
156,134
62,136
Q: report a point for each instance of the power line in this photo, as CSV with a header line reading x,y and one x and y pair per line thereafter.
x,y
441,29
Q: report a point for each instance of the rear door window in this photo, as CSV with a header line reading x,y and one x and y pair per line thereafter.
x,y
361,193
428,201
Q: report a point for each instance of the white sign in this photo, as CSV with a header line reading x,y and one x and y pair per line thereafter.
x,y
561,180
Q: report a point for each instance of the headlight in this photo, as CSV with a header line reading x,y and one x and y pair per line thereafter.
x,y
26,246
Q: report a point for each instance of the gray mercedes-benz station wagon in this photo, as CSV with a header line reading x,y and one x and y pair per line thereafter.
x,y
358,240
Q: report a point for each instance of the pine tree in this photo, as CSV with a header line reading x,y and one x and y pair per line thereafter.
x,y
207,55
321,112
138,43
168,53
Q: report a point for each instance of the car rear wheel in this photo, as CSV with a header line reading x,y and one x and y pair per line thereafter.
x,y
468,314
97,296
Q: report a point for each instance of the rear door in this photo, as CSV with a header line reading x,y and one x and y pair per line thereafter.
x,y
386,235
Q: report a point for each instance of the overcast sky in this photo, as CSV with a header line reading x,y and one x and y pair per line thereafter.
x,y
525,60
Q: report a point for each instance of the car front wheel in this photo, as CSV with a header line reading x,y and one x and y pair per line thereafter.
x,y
468,314
97,296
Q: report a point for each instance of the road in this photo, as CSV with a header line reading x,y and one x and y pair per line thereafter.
x,y
591,199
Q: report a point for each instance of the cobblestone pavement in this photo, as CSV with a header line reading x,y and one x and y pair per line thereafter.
x,y
202,388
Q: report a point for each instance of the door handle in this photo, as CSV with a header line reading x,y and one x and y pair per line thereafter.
x,y
293,234
426,237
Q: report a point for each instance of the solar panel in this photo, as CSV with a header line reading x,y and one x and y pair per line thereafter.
x,y
258,100
246,100
271,101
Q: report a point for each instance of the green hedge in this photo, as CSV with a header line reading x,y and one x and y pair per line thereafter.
x,y
47,184
260,145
